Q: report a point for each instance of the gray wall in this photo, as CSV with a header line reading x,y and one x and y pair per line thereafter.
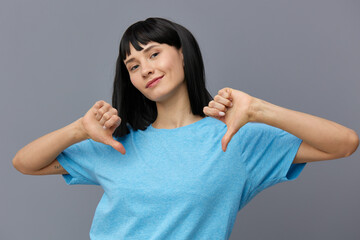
x,y
58,57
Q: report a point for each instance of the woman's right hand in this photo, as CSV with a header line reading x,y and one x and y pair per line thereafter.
x,y
100,122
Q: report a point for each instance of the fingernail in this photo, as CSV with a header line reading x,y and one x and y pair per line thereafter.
x,y
221,113
231,104
104,127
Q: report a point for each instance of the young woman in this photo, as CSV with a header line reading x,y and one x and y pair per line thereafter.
x,y
173,162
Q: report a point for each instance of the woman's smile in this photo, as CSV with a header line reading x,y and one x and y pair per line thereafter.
x,y
153,82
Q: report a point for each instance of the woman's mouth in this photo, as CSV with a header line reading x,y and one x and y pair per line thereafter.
x,y
154,82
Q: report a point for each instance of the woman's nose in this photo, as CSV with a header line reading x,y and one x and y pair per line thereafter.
x,y
147,69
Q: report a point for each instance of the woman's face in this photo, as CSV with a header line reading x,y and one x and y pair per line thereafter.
x,y
156,61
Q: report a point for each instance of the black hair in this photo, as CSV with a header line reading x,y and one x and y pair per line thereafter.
x,y
133,107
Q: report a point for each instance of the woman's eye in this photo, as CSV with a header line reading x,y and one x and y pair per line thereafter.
x,y
133,68
154,55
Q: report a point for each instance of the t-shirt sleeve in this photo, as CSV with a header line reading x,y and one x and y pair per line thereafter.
x,y
79,160
268,153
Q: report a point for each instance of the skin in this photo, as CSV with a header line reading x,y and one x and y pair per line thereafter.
x,y
322,139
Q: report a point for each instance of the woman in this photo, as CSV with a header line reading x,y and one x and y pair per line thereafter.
x,y
169,171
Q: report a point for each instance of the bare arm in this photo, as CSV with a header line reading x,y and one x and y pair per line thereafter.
x,y
39,156
322,139
53,168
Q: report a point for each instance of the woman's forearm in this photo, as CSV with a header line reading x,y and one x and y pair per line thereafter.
x,y
325,135
44,150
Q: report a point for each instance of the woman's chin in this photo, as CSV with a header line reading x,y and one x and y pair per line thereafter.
x,y
157,96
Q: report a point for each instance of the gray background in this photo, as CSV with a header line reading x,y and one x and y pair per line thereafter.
x,y
58,57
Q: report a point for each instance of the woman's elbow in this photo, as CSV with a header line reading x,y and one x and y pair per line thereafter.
x,y
353,143
17,164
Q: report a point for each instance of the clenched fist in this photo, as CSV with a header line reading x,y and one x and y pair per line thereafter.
x,y
232,107
100,122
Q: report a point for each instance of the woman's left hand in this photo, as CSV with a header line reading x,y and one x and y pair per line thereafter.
x,y
236,108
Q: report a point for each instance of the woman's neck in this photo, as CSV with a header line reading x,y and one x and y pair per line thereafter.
x,y
175,112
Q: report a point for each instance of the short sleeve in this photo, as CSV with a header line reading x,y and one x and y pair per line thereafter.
x,y
268,153
79,160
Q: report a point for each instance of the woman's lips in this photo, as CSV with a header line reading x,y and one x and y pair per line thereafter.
x,y
154,82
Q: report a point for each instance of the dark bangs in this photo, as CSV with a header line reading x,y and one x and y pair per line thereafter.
x,y
147,31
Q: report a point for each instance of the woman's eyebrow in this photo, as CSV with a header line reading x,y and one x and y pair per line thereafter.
x,y
144,50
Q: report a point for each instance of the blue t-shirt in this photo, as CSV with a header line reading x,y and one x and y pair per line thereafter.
x,y
178,183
